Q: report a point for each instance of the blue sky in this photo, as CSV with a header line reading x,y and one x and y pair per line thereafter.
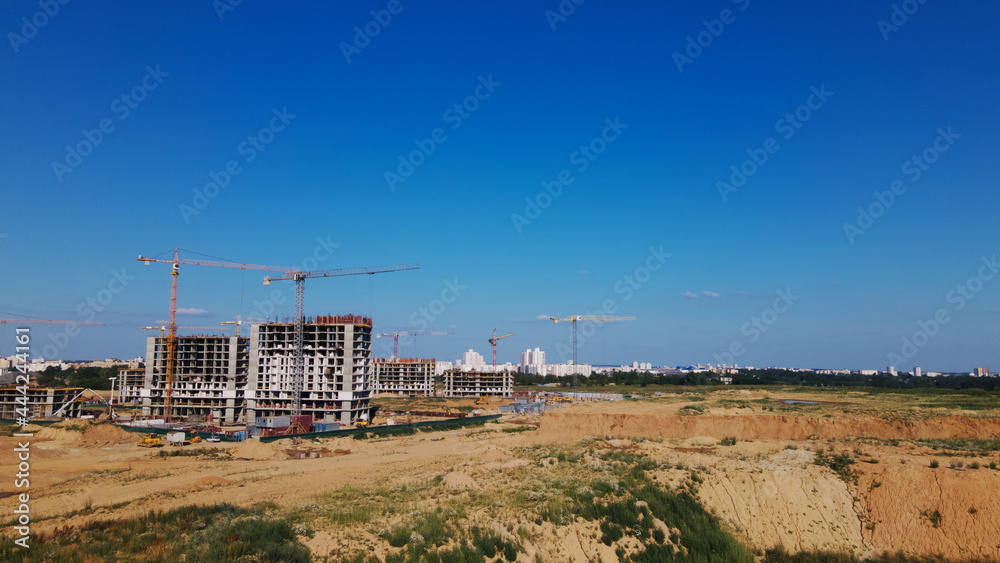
x,y
326,131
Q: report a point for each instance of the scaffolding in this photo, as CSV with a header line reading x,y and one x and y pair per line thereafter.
x,y
408,377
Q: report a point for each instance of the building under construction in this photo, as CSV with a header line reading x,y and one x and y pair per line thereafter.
x,y
130,384
459,383
409,377
41,402
337,384
210,376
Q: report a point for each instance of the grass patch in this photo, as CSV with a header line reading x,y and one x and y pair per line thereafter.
x,y
196,534
839,463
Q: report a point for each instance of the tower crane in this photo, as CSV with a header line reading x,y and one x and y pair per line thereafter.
x,y
395,338
300,277
47,322
162,328
172,326
493,341
597,318
239,321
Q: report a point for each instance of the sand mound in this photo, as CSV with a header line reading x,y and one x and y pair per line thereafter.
x,y
60,436
211,480
493,455
459,480
658,421
254,449
101,435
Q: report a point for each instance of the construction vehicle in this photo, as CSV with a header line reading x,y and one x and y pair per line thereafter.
x,y
151,441
361,424
195,439
483,400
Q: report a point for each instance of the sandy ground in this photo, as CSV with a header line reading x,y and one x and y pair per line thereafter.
x,y
766,488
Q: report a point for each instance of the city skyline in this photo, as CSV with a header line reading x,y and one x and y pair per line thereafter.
x,y
806,186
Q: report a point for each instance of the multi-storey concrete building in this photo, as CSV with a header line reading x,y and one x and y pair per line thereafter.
x,y
337,386
458,383
129,385
410,377
210,376
40,402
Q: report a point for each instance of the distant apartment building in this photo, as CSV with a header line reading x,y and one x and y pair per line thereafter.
x,y
563,370
441,367
981,372
472,358
409,377
916,372
533,362
470,384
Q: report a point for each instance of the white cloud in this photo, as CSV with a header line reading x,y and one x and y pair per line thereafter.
x,y
689,294
191,311
710,293
542,317
584,272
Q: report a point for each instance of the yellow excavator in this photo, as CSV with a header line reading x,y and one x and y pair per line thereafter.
x,y
151,441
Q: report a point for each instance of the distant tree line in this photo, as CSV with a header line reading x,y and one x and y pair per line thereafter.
x,y
767,377
89,377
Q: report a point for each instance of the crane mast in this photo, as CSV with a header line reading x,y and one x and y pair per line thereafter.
x,y
171,344
597,318
300,277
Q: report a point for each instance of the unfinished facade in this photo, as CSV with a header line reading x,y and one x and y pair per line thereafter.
x,y
337,384
409,377
41,402
130,382
210,376
459,383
